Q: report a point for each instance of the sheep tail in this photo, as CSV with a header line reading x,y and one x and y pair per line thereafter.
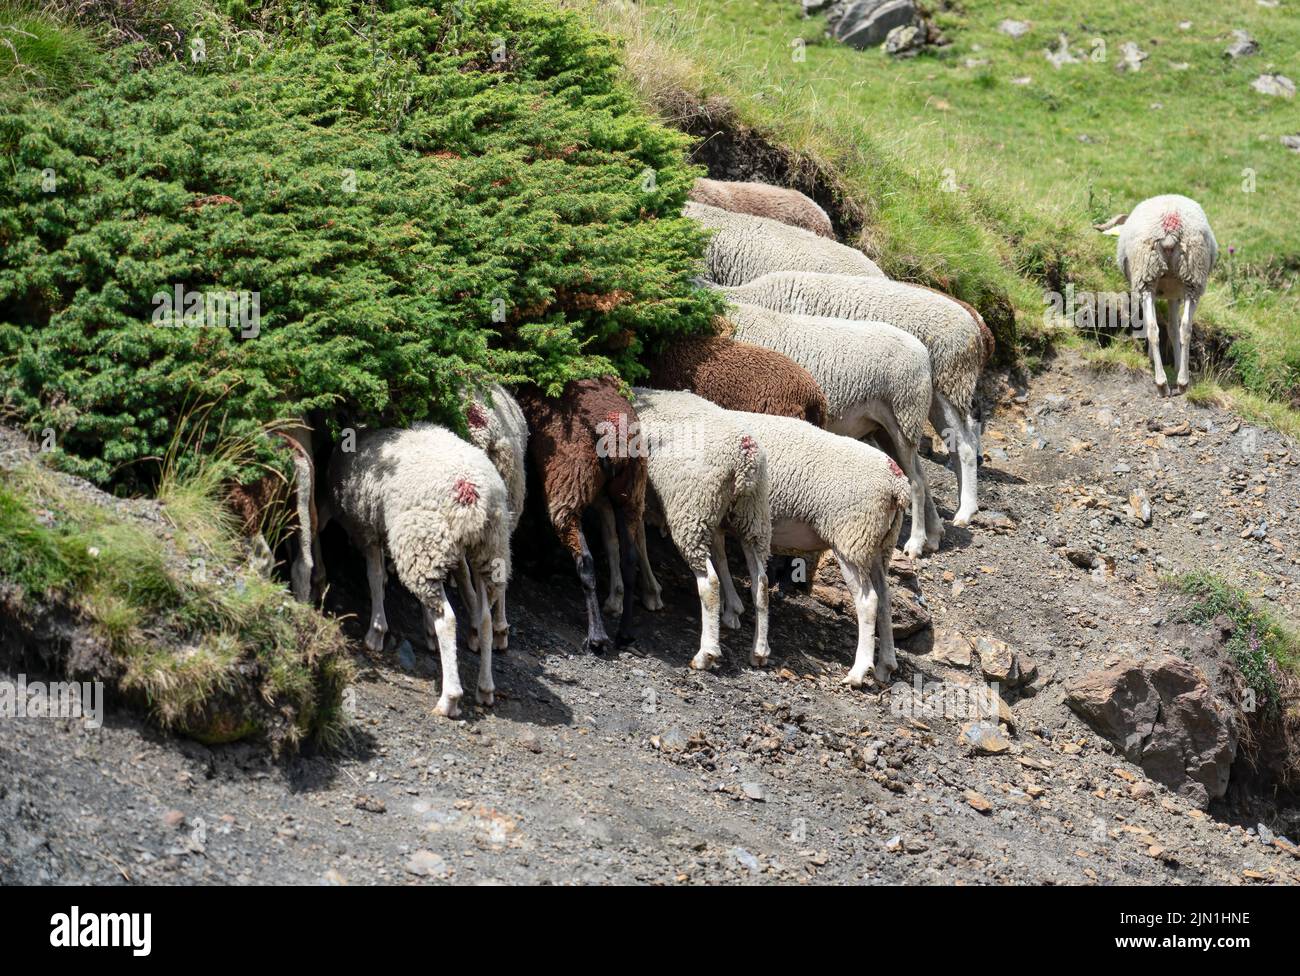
x,y
750,465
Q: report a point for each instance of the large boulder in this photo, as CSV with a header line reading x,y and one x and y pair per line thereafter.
x,y
866,23
1166,719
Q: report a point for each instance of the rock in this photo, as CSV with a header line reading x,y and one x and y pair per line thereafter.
x,y
997,661
1166,719
905,41
426,864
174,819
985,737
1242,46
334,879
907,614
951,648
866,23
1199,518
1139,505
673,740
1131,57
1279,86
371,804
811,7
1013,28
978,801
1291,142
746,860
1083,558
754,791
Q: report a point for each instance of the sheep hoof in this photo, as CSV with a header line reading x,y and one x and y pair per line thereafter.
x,y
652,601
731,620
624,640
614,604
1162,389
883,672
855,678
759,660
487,696
501,639
375,640
448,706
598,645
914,548
704,661
962,519
932,542
1182,387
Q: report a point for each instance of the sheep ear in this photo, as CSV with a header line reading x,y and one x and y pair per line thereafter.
x,y
1113,225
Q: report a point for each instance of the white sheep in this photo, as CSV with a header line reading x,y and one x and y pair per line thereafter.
x,y
877,380
1166,249
707,474
430,498
763,200
497,427
744,247
950,334
837,493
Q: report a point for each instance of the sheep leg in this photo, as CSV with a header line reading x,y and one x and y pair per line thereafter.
x,y
597,641
933,523
867,602
440,623
628,561
375,576
1153,341
465,584
918,540
706,582
486,689
758,588
1176,337
732,607
1185,333
500,626
967,457
609,532
888,660
651,591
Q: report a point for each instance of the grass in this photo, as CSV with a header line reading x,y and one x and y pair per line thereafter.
x,y
41,53
989,187
206,647
1266,655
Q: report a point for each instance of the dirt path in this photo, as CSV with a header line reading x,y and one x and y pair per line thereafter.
x,y
636,769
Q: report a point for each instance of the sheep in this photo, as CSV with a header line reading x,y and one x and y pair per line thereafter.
x,y
706,473
739,376
1166,249
584,446
252,501
431,499
497,427
876,379
744,247
761,200
833,492
952,336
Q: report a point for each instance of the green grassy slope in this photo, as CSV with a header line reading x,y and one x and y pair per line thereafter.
x,y
978,179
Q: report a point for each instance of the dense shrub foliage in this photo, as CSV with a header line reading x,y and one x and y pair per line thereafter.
x,y
410,195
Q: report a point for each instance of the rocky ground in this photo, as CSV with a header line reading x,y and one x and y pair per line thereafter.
x,y
636,769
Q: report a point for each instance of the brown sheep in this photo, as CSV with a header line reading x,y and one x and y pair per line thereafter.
x,y
763,200
740,376
585,448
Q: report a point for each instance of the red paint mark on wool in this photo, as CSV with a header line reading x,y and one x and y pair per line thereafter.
x,y
1171,223
464,491
895,469
748,446
475,416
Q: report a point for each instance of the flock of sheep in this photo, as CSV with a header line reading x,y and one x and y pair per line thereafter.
x,y
756,433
